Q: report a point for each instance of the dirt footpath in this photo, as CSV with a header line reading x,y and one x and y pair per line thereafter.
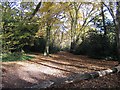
x,y
25,74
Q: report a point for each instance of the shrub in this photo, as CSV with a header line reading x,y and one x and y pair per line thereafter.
x,y
39,46
97,45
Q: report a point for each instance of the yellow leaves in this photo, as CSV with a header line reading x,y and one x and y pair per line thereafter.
x,y
79,15
50,12
97,6
46,7
40,33
52,8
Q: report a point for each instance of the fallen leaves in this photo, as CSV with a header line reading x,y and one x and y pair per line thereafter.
x,y
48,68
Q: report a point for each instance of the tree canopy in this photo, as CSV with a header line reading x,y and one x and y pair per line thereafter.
x,y
47,27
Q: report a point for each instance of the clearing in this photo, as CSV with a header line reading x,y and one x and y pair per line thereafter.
x,y
24,74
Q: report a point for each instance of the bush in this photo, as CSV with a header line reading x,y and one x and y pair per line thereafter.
x,y
39,46
97,45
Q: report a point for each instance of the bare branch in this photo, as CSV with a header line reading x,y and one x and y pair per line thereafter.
x,y
36,10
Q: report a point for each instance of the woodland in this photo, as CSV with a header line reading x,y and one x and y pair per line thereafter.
x,y
60,44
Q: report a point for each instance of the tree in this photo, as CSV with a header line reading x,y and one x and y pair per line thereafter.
x,y
50,13
103,19
118,28
86,12
18,31
74,22
116,21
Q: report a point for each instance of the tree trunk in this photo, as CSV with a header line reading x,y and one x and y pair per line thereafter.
x,y
73,33
118,29
73,29
103,19
36,10
46,52
71,46
75,78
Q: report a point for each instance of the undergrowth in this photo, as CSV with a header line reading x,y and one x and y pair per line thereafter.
x,y
17,56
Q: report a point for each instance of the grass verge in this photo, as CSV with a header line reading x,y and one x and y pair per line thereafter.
x,y
17,56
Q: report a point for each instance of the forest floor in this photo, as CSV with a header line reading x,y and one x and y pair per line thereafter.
x,y
21,74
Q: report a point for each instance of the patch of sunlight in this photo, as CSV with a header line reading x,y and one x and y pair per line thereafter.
x,y
29,79
36,68
50,71
97,67
57,61
26,76
32,55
